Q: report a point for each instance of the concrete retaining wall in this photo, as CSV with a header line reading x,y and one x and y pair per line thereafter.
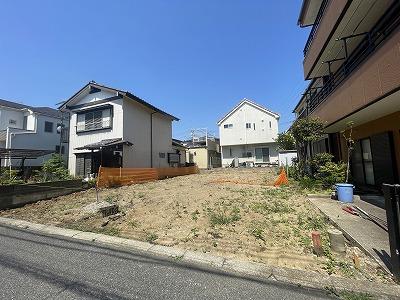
x,y
20,194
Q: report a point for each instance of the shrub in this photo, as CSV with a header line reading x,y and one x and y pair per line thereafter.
x,y
309,183
318,160
331,173
54,169
8,177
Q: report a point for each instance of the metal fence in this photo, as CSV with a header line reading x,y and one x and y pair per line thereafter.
x,y
392,205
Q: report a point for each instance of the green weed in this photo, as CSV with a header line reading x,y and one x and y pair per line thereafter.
x,y
151,237
223,218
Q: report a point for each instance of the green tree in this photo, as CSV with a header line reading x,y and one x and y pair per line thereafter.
x,y
286,141
305,131
54,169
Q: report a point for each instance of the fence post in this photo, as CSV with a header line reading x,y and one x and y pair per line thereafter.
x,y
392,206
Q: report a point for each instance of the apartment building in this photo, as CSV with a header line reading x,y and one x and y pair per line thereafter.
x,y
352,60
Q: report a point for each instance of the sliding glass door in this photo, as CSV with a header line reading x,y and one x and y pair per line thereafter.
x,y
262,155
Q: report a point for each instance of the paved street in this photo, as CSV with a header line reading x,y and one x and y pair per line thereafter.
x,y
34,266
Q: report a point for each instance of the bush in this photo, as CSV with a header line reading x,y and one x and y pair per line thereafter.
x,y
54,169
331,173
297,170
320,159
8,177
323,172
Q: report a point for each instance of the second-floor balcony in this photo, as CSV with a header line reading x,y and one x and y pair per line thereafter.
x,y
371,42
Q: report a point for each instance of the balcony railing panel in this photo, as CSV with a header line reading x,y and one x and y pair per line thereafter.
x,y
389,22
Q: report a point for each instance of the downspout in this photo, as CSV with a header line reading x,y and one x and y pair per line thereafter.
x,y
151,138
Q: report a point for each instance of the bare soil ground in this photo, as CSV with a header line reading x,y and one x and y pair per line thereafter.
x,y
231,212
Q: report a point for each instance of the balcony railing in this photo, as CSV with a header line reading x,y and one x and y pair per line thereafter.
x,y
314,29
387,24
93,125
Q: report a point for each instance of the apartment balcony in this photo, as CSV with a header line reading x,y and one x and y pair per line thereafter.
x,y
369,74
337,32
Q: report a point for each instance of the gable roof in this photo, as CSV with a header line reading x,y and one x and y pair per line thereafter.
x,y
252,103
127,94
48,111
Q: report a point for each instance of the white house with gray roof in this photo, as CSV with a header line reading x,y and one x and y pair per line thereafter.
x,y
114,128
26,129
247,133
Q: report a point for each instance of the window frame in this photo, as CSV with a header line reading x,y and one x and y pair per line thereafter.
x,y
45,126
228,126
93,110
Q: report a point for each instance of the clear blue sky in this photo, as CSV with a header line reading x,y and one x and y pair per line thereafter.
x,y
194,59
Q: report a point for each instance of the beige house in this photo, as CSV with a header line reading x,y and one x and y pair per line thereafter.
x,y
205,153
114,128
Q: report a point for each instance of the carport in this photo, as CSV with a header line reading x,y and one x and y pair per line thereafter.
x,y
22,154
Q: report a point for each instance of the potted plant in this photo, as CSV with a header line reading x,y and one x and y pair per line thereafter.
x,y
345,190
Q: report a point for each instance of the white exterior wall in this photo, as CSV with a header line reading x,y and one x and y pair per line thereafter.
x,y
239,134
36,138
139,121
238,139
131,122
238,150
83,138
7,114
162,137
286,157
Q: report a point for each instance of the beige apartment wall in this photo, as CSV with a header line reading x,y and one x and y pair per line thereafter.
x,y
376,77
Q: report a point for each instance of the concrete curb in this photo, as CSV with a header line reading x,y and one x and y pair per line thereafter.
x,y
354,240
261,271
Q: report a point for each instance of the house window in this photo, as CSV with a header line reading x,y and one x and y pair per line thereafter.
x,y
230,152
270,124
94,120
228,125
12,122
161,155
254,126
248,125
48,126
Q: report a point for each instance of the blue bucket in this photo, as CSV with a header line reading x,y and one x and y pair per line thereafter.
x,y
345,192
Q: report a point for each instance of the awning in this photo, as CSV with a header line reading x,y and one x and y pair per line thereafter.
x,y
23,153
104,144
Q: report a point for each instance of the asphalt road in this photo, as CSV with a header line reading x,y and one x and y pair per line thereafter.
x,y
34,266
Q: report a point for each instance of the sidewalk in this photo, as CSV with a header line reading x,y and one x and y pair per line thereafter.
x,y
364,233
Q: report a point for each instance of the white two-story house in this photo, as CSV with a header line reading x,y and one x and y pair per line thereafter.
x,y
27,132
247,133
114,128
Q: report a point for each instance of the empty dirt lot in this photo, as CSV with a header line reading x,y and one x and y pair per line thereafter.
x,y
229,212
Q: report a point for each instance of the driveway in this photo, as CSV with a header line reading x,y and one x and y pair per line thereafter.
x,y
36,266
